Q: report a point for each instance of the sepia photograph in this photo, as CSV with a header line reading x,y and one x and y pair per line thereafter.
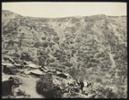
x,y
64,50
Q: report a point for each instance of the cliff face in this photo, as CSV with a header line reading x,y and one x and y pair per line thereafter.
x,y
95,47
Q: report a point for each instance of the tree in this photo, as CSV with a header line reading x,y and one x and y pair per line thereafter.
x,y
47,88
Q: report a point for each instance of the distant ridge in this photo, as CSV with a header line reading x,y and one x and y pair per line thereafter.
x,y
98,15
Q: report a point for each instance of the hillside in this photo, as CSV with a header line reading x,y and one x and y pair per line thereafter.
x,y
92,48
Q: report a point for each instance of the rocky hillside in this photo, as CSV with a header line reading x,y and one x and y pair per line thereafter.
x,y
92,48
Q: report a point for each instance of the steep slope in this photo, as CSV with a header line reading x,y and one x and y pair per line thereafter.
x,y
92,48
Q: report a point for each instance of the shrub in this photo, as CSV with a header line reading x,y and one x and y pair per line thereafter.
x,y
47,88
103,92
26,56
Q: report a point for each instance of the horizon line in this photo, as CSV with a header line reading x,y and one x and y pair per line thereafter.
x,y
66,16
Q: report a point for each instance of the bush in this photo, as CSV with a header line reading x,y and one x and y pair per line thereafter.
x,y
103,92
47,88
26,56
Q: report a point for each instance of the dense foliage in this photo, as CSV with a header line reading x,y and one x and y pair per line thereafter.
x,y
47,88
92,48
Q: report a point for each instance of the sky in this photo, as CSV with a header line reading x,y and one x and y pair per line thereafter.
x,y
65,9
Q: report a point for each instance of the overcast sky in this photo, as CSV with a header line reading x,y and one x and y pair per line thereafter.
x,y
63,9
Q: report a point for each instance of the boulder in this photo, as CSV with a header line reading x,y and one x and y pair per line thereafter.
x,y
9,68
32,65
34,72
